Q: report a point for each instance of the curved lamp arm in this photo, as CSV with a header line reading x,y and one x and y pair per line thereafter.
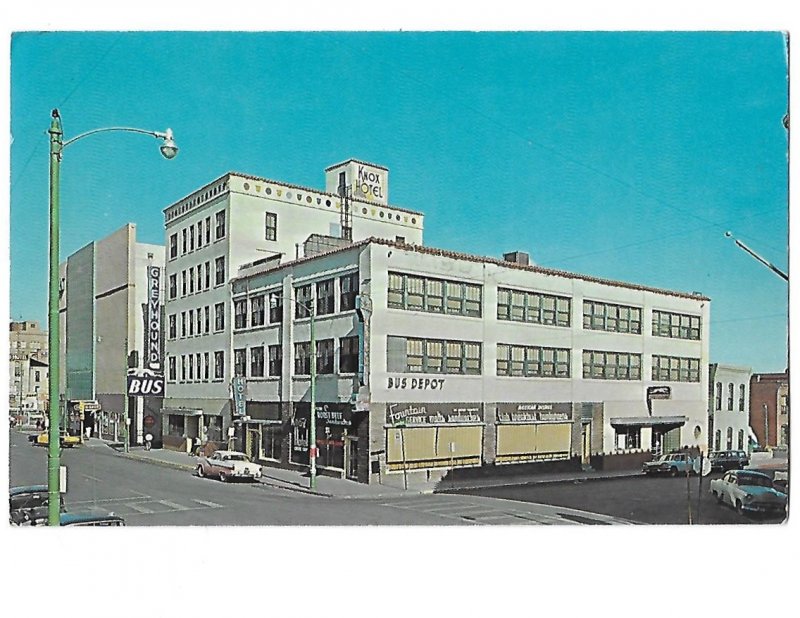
x,y
169,149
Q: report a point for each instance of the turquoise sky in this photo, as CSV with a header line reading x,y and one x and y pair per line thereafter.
x,y
619,155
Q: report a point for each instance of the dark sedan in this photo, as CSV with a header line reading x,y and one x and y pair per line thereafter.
x,y
723,461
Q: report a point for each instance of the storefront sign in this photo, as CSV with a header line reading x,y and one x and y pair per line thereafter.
x,y
403,383
433,413
153,346
534,412
657,392
239,388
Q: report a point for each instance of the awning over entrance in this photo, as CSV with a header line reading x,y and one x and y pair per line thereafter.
x,y
648,421
182,411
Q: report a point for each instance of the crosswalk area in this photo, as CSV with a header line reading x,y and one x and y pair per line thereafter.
x,y
475,511
143,505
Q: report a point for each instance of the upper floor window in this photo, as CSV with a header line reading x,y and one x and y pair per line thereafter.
x,y
348,290
173,246
325,356
257,362
275,360
412,355
418,293
675,325
534,307
220,229
219,276
532,361
257,310
219,316
208,230
612,318
240,362
240,313
302,358
718,397
173,286
741,398
191,238
183,241
325,297
730,396
348,354
219,365
173,329
275,307
676,369
271,225
302,307
200,233
602,365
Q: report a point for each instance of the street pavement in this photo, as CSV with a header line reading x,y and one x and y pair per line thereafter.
x,y
159,487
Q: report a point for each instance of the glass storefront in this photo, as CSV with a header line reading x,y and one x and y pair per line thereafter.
x,y
333,422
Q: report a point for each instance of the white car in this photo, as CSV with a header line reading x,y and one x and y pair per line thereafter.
x,y
749,491
228,465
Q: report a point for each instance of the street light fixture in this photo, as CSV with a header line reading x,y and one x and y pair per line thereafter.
x,y
312,430
57,145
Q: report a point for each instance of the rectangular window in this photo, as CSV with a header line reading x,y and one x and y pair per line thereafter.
x,y
303,305
173,246
173,286
219,317
612,318
183,283
436,356
197,358
208,275
275,360
348,354
183,323
718,398
183,367
628,437
190,319
191,367
240,313
206,364
532,361
275,308
208,230
455,298
325,356
219,266
199,277
173,326
741,398
184,244
434,295
257,362
191,238
191,279
533,307
730,396
220,229
200,233
219,365
302,358
271,226
325,297
172,373
417,293
601,365
257,311
206,319
348,290
503,359
676,325
396,292
678,369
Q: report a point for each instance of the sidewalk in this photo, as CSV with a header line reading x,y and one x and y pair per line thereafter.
x,y
331,487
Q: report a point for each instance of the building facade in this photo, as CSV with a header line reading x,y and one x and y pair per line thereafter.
x,y
104,333
729,407
237,220
769,409
28,368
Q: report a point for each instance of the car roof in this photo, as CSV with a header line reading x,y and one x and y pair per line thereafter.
x,y
747,473
75,518
26,489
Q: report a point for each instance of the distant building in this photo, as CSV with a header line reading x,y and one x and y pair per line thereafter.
x,y
28,367
104,336
769,408
729,407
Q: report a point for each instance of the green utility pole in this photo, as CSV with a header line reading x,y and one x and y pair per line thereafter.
x,y
54,433
312,452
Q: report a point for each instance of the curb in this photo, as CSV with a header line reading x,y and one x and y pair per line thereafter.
x,y
564,481
157,462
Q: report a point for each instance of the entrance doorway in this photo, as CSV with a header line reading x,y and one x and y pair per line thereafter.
x,y
351,455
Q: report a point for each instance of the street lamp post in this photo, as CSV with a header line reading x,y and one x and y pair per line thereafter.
x,y
57,146
312,430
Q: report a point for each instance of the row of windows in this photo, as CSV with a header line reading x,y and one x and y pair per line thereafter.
x,y
261,361
196,367
532,361
413,355
728,440
197,278
417,293
196,321
198,235
718,397
434,295
676,369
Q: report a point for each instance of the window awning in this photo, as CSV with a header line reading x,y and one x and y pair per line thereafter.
x,y
648,421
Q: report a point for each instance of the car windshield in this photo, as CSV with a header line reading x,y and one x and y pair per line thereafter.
x,y
237,457
755,480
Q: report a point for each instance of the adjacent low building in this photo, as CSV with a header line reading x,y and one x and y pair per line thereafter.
x,y
769,405
729,407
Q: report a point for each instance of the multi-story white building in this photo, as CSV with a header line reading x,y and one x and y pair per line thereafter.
x,y
429,360
239,219
729,407
28,369
103,313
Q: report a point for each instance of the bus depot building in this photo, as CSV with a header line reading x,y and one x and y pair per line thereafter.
x,y
429,361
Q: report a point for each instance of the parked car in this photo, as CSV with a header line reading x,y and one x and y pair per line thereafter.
x,y
91,519
672,464
723,461
749,491
228,465
29,504
42,439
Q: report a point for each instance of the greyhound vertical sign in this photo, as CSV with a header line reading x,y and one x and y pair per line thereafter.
x,y
153,319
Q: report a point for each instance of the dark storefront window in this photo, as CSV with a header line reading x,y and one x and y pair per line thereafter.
x,y
271,440
214,428
348,355
175,425
628,437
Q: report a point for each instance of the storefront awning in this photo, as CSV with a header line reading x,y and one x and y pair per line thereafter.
x,y
648,421
182,411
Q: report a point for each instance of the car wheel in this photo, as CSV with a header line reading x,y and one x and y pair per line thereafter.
x,y
223,477
200,472
739,507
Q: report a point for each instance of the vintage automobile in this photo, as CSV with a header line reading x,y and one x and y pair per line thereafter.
x,y
28,505
723,461
91,519
228,465
749,491
42,439
672,464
